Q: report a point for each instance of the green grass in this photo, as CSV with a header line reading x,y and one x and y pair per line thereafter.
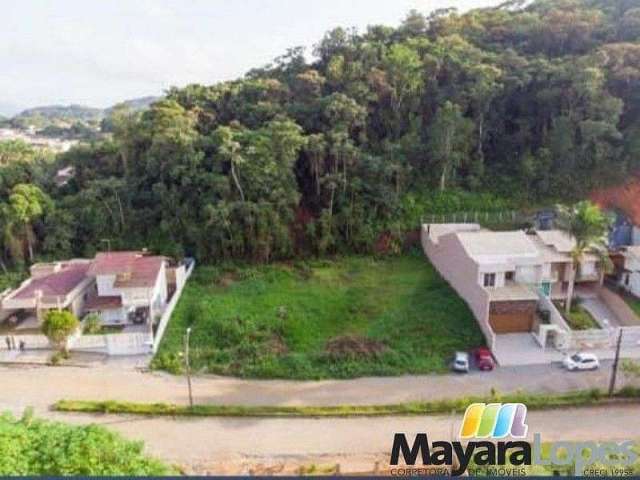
x,y
397,314
533,402
578,318
633,302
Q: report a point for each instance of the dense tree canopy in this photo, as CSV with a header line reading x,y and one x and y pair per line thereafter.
x,y
306,156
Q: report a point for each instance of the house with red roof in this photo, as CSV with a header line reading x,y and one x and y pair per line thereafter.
x,y
130,287
122,288
56,285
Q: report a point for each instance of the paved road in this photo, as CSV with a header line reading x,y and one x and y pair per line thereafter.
x,y
39,387
237,445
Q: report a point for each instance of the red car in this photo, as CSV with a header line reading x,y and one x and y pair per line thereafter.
x,y
483,359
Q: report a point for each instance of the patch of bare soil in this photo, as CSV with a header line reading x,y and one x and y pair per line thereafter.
x,y
227,279
276,345
354,346
289,465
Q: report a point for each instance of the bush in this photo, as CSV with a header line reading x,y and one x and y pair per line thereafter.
x,y
36,447
58,326
92,324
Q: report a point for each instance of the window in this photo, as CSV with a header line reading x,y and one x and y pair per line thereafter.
x,y
510,276
489,279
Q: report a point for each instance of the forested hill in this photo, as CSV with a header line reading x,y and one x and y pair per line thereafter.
x,y
532,104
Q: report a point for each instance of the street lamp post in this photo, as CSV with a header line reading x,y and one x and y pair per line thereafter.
x,y
188,364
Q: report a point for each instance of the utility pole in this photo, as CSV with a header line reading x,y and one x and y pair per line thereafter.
x,y
614,367
188,364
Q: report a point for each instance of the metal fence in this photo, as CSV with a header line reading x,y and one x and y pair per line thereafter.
x,y
483,218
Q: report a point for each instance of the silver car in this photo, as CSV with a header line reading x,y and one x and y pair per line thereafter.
x,y
460,362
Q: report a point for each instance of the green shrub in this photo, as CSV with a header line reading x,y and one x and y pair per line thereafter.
x,y
58,326
92,324
36,447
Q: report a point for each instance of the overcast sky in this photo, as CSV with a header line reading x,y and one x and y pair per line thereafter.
x,y
100,52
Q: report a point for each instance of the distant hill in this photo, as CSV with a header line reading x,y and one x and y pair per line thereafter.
x,y
135,104
78,113
71,121
62,112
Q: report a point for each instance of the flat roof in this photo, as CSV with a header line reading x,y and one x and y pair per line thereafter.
x,y
558,239
485,244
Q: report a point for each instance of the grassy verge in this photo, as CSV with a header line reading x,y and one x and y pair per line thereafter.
x,y
633,302
578,318
533,402
339,318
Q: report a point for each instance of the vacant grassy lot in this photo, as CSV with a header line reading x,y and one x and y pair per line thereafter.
x,y
349,317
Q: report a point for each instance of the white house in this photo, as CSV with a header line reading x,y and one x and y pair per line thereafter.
x,y
131,287
501,275
629,275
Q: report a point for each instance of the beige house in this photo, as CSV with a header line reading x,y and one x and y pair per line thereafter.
x,y
502,275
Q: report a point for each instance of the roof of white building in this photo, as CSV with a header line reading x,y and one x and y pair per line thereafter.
x,y
561,241
437,230
488,246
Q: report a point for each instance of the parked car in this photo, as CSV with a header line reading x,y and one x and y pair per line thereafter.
x,y
483,359
460,362
581,361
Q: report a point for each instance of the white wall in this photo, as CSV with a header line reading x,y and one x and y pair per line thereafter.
x,y
588,268
633,286
528,274
113,316
448,256
182,275
105,285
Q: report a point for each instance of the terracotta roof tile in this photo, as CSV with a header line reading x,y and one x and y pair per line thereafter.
x,y
58,283
132,269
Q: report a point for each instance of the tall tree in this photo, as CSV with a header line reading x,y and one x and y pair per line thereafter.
x,y
449,140
27,203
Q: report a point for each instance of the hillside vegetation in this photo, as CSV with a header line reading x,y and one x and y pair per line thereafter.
x,y
518,105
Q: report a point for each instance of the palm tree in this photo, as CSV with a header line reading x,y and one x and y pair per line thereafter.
x,y
588,226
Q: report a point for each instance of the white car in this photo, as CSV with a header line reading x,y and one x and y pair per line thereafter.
x,y
581,361
460,362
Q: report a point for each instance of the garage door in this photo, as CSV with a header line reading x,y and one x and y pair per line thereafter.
x,y
511,322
